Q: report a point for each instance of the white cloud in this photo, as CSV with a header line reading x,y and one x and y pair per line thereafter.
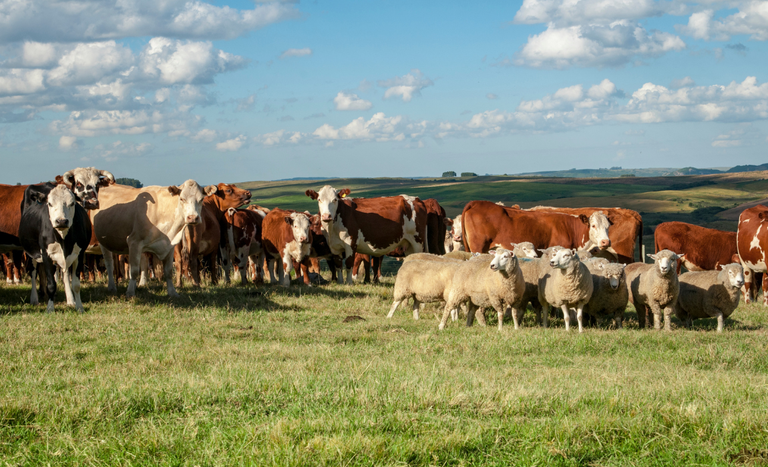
x,y
205,135
173,62
751,19
405,87
48,22
491,96
726,143
125,122
68,142
564,12
232,144
350,101
681,83
296,53
280,137
378,128
113,151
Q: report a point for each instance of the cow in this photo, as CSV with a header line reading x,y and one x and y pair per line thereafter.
x,y
625,232
286,237
374,226
453,238
54,231
243,241
13,261
151,219
319,250
436,226
752,244
204,238
486,225
705,249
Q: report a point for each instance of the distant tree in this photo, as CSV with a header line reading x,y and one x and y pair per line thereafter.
x,y
450,173
468,174
626,175
129,181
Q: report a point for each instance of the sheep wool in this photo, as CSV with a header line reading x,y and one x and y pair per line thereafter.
x,y
710,294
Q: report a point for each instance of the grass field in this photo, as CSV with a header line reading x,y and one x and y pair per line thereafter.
x,y
272,376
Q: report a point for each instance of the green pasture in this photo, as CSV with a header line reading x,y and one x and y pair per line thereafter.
x,y
270,376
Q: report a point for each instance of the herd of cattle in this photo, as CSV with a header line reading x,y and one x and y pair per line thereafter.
x,y
71,224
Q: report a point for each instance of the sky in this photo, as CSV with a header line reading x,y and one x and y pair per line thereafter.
x,y
231,91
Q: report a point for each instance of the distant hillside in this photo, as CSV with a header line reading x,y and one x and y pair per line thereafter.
x,y
616,172
748,168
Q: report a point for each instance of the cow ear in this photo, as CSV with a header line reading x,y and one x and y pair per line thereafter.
x,y
312,194
211,190
343,193
174,190
448,222
288,219
38,197
584,219
59,180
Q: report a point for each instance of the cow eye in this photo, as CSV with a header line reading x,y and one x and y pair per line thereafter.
x,y
79,185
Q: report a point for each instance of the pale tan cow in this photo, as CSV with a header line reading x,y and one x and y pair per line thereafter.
x,y
151,219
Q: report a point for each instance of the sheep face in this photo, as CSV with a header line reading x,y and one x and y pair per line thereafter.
x,y
735,274
665,261
615,275
503,260
562,258
526,248
547,253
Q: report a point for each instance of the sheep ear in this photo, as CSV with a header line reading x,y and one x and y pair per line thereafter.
x,y
492,252
652,256
512,244
679,257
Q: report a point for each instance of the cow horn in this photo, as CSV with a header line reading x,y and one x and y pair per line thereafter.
x,y
106,174
67,176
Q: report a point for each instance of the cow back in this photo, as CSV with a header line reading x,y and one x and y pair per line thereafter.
x,y
704,248
752,238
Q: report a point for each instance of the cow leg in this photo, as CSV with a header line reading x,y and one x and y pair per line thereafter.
x,y
765,289
144,264
213,265
226,261
50,289
76,286
377,260
17,257
178,262
66,275
349,262
304,265
134,261
33,298
168,274
109,262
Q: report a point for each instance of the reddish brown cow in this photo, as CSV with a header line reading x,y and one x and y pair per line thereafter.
x,y
374,226
437,222
319,250
286,237
626,231
705,249
203,238
752,244
243,241
487,224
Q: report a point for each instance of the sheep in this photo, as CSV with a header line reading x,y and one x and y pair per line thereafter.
x,y
609,296
424,281
567,286
654,287
706,294
428,257
595,264
459,254
533,269
494,281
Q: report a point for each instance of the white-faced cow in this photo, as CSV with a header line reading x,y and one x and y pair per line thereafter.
x,y
152,219
55,231
286,238
373,226
752,245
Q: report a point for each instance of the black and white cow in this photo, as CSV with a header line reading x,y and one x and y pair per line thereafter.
x,y
55,231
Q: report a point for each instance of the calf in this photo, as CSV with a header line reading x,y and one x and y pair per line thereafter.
x,y
55,231
287,238
243,241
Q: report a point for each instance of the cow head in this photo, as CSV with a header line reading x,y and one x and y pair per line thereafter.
x,y
85,183
665,261
598,224
503,260
229,196
614,272
191,197
61,207
300,223
456,230
328,201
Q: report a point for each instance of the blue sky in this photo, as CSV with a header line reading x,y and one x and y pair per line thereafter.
x,y
241,90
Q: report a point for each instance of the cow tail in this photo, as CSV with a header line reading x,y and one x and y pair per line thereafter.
x,y
464,236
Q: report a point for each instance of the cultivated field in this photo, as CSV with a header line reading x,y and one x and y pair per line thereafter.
x,y
272,376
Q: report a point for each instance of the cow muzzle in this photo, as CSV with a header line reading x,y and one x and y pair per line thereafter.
x,y
193,219
62,223
326,218
605,243
91,203
303,239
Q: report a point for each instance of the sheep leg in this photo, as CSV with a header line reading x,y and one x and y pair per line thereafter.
x,y
641,312
471,308
517,317
720,322
566,316
480,314
544,316
415,308
689,322
454,315
449,307
508,313
668,312
501,311
393,308
580,317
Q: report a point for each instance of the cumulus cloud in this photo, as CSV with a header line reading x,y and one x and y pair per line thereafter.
x,y
232,144
491,96
125,122
405,87
50,22
751,19
681,83
205,135
585,11
280,137
378,128
350,101
296,53
118,149
68,142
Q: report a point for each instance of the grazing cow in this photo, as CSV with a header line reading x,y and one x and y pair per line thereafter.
x,y
243,241
203,239
436,226
374,226
625,232
486,224
454,239
151,219
752,244
287,238
54,231
705,249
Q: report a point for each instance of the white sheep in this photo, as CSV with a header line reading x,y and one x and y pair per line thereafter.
x,y
654,287
533,269
609,296
495,281
425,281
710,294
568,286
459,254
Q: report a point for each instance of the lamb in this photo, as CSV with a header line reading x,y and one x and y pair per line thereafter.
x,y
424,281
567,286
494,281
609,296
710,294
654,287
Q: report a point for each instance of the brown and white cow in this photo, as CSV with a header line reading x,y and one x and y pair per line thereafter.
x,y
453,238
625,232
203,239
286,238
705,249
151,219
242,242
436,226
319,250
752,246
374,226
485,224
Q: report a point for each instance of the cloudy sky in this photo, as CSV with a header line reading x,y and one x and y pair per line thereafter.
x,y
229,90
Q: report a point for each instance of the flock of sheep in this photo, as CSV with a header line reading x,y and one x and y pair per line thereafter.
x,y
569,280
